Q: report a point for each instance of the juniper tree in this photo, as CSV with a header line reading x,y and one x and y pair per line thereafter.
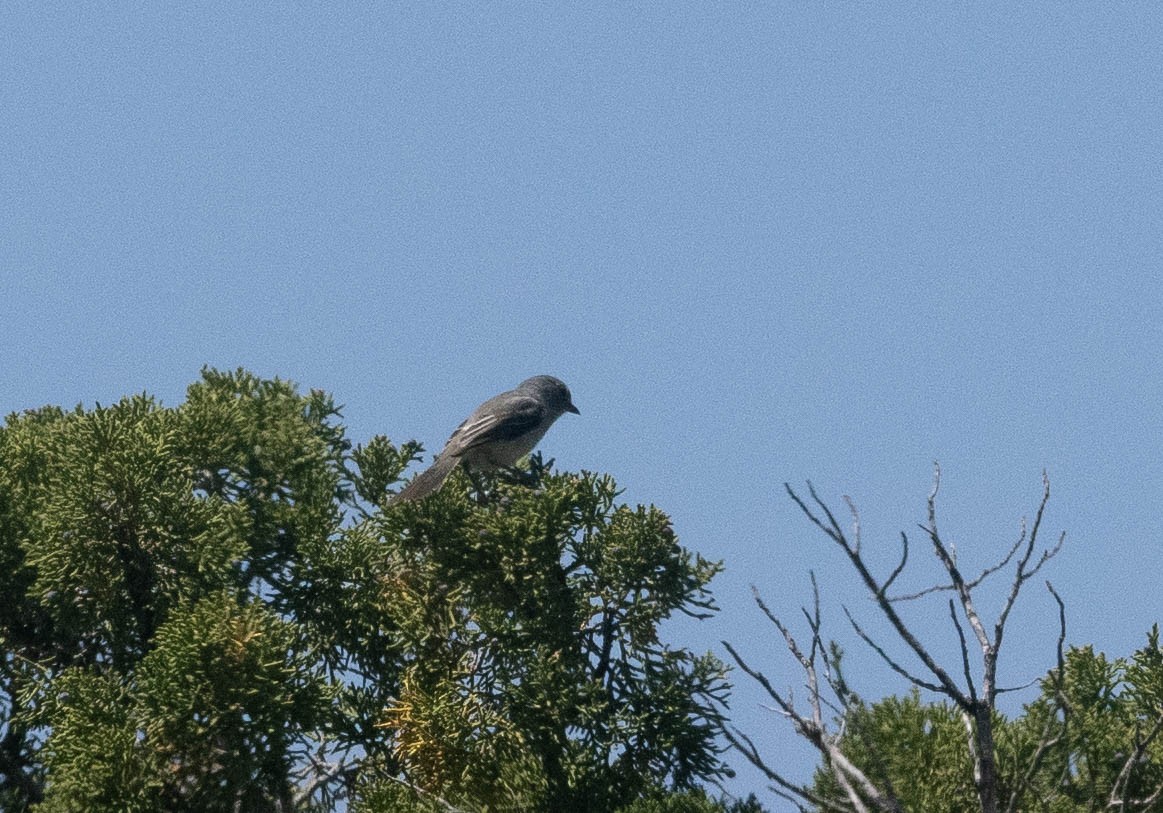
x,y
209,606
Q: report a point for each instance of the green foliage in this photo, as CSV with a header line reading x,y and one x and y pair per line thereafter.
x,y
542,676
1092,737
213,607
1110,715
389,796
91,710
691,801
918,749
221,696
206,724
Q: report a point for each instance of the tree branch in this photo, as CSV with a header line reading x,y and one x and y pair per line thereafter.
x,y
900,565
964,652
743,744
1047,741
1119,791
855,784
1022,574
976,701
972,583
896,667
947,686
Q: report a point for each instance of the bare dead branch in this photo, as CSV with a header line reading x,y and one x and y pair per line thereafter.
x,y
1061,673
1045,743
1119,790
833,529
762,680
792,646
971,583
976,700
1023,573
816,727
928,591
846,785
855,522
964,652
1149,801
815,600
783,794
854,776
1048,739
956,579
896,667
813,618
855,784
1047,555
838,710
830,658
989,571
743,744
900,565
807,662
1011,689
948,686
971,740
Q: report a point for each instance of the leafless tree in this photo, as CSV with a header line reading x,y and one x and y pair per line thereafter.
x,y
975,697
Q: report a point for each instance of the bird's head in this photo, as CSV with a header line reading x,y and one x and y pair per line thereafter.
x,y
552,392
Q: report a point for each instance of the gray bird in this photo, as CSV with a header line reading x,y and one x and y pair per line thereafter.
x,y
498,433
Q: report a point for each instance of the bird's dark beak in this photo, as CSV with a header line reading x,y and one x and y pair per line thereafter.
x,y
573,409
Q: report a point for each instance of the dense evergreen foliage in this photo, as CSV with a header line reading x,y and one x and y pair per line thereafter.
x,y
208,607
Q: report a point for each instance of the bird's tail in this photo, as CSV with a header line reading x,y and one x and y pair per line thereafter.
x,y
428,481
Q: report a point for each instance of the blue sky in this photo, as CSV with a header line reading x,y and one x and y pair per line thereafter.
x,y
761,242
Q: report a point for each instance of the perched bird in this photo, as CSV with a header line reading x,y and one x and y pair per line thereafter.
x,y
498,433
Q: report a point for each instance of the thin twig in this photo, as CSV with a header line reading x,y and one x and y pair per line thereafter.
x,y
762,680
743,744
900,565
971,583
1047,740
896,667
948,686
1022,574
1120,787
964,653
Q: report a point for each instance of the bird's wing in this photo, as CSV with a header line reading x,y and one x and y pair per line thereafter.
x,y
490,423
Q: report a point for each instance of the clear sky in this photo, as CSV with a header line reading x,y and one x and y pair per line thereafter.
x,y
761,243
